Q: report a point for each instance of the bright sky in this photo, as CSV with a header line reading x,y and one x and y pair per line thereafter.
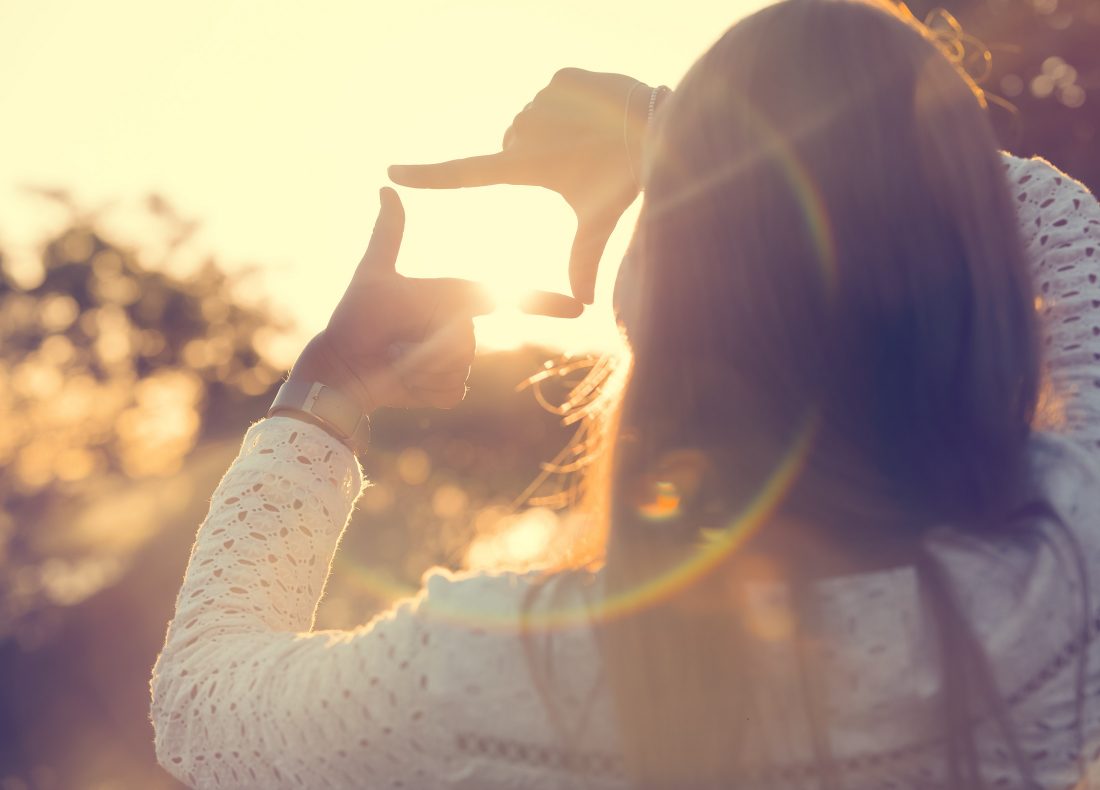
x,y
272,124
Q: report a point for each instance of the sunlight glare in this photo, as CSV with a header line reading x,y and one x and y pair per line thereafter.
x,y
336,93
507,296
519,540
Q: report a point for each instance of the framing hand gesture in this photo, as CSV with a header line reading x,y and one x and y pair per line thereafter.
x,y
402,341
577,137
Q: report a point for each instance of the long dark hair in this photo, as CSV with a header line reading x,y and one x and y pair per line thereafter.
x,y
831,325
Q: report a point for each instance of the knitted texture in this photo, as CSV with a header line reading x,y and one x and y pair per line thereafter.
x,y
438,692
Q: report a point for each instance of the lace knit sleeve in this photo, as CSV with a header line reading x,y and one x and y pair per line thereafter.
x,y
243,693
1060,228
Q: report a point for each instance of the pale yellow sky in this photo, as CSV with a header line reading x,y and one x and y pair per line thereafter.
x,y
272,124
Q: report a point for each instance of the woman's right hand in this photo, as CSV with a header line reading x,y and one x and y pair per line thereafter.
x,y
578,137
404,342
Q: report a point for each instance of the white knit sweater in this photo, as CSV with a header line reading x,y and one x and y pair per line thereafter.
x,y
437,691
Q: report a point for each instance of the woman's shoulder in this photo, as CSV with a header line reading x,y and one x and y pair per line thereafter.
x,y
1060,504
1067,476
509,612
502,596
1023,589
1044,195
511,615
1026,169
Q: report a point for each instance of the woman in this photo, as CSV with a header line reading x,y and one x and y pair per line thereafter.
x,y
844,545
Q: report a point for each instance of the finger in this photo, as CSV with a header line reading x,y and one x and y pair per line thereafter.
x,y
385,241
526,124
385,386
521,124
551,304
474,171
584,258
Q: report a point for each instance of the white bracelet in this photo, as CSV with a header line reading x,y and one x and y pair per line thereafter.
x,y
660,90
338,413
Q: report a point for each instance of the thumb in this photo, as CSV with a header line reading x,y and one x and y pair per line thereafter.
x,y
385,241
584,258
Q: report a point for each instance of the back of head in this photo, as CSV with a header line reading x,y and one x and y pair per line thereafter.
x,y
828,241
829,310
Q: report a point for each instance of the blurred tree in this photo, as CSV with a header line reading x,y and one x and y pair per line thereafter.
x,y
1043,76
126,388
111,370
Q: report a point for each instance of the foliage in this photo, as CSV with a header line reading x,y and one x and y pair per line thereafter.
x,y
127,388
1042,75
111,367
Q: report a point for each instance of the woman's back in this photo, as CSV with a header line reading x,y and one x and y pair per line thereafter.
x,y
445,691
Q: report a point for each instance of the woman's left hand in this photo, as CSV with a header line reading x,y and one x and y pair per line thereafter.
x,y
582,137
400,341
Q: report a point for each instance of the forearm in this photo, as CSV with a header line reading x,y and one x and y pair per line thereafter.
x,y
245,692
282,504
256,573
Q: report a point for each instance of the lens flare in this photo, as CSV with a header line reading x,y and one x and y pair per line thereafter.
x,y
665,503
717,546
507,296
666,500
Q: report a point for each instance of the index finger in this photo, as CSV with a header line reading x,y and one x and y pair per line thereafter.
x,y
473,171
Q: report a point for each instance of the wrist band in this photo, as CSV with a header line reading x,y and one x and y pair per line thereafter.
x,y
659,91
338,413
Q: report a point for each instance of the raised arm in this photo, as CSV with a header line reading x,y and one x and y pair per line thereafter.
x,y
1060,227
244,693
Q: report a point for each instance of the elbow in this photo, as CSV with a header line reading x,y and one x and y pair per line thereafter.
x,y
172,758
169,712
190,696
